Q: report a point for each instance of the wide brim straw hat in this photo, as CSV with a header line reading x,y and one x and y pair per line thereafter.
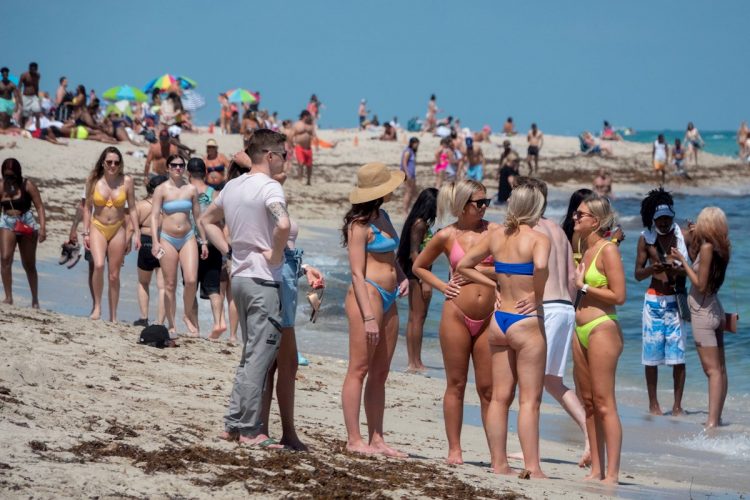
x,y
374,181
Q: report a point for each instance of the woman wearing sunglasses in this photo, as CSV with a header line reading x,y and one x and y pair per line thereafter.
x,y
108,191
601,283
216,165
173,243
468,308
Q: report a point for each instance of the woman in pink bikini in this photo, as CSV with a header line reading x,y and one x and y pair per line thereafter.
x,y
443,157
468,308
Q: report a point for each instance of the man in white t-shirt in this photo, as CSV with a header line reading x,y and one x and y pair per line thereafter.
x,y
254,210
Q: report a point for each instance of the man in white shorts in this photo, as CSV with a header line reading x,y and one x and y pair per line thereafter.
x,y
559,316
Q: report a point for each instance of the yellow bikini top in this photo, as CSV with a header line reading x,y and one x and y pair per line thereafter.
x,y
593,276
117,202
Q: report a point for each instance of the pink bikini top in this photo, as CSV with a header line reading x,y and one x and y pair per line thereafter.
x,y
457,253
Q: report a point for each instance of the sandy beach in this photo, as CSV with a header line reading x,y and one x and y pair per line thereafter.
x,y
84,411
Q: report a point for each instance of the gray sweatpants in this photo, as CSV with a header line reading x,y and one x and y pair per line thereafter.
x,y
260,321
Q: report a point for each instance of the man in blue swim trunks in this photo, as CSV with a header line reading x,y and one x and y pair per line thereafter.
x,y
475,160
409,167
10,97
663,327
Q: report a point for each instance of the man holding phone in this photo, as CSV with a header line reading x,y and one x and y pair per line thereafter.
x,y
664,329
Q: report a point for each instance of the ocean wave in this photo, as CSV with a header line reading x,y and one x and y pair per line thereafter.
x,y
734,445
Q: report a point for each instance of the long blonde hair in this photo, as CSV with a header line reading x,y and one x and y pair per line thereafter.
x,y
601,208
453,196
525,206
712,227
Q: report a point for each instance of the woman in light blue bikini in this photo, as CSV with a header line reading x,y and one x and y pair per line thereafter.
x,y
173,243
517,341
377,281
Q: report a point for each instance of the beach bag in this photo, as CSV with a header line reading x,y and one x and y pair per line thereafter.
x,y
22,229
155,336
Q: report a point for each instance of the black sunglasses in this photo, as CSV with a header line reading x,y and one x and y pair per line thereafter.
x,y
283,154
177,165
482,203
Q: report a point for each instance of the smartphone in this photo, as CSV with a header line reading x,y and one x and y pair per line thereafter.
x,y
160,253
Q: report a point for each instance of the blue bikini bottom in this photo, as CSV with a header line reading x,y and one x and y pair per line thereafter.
x,y
505,319
389,298
177,243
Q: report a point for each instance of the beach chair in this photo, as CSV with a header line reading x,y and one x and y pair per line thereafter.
x,y
588,150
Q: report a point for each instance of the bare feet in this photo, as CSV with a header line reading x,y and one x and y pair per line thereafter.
x,y
96,314
677,411
538,474
192,329
593,476
360,448
229,436
293,443
455,458
585,460
655,409
611,480
8,300
35,304
384,449
216,332
233,340
502,469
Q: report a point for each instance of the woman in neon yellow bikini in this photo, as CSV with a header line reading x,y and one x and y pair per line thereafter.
x,y
601,282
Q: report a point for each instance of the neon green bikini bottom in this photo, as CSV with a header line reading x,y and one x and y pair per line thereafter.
x,y
584,331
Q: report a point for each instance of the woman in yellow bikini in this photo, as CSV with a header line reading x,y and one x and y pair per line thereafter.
x,y
108,190
601,282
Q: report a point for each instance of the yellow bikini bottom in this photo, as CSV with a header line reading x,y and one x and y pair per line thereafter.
x,y
584,331
108,230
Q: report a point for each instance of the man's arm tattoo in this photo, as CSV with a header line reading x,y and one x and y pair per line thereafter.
x,y
278,211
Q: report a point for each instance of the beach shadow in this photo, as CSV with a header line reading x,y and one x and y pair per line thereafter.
x,y
557,461
485,465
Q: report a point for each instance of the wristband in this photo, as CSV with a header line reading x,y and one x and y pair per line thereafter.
x,y
368,318
585,289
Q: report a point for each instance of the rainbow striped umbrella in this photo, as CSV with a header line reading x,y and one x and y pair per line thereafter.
x,y
125,92
167,81
241,95
187,83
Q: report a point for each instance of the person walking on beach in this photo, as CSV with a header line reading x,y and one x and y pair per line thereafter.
x,y
409,168
303,137
377,281
156,159
174,202
32,106
108,190
509,170
710,250
430,122
10,98
535,138
415,235
600,281
559,316
474,160
694,142
362,113
663,328
254,209
678,158
660,157
743,134
18,228
147,263
468,305
516,339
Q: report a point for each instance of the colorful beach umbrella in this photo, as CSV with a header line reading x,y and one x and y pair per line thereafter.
x,y
187,83
192,100
125,92
241,95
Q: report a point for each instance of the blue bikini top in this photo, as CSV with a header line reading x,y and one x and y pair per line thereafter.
x,y
170,207
524,268
381,244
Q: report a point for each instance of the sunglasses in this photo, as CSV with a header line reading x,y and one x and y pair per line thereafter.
x,y
282,154
112,163
480,204
177,165
580,215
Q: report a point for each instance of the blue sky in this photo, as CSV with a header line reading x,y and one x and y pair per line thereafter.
x,y
565,65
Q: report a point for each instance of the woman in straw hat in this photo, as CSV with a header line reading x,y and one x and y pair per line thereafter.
x,y
377,280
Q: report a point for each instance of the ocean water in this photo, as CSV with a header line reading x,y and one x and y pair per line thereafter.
x,y
718,142
653,445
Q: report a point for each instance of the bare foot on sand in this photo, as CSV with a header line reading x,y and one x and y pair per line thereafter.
x,y
192,329
416,370
677,411
454,458
293,443
502,469
361,448
229,436
384,449
593,477
216,332
8,300
232,340
96,314
611,480
536,474
585,460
